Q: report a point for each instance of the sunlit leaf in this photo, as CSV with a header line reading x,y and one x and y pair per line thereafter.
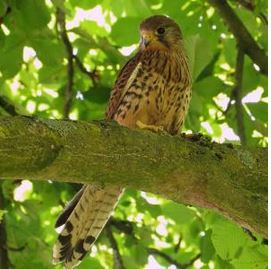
x,y
122,29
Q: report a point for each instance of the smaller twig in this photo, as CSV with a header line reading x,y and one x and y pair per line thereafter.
x,y
237,93
118,263
192,261
177,246
250,234
61,21
122,225
8,10
170,260
8,107
229,106
92,75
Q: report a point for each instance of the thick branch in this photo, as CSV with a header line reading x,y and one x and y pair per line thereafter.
x,y
243,37
229,179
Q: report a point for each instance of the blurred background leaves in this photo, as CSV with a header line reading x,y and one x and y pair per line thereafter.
x,y
149,232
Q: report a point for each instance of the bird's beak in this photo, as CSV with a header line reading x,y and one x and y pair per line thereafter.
x,y
146,37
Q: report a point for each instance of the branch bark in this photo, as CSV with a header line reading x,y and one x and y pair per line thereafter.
x,y
243,37
229,179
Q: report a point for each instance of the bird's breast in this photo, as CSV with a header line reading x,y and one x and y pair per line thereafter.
x,y
155,93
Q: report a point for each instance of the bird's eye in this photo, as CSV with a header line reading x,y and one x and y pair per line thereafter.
x,y
161,30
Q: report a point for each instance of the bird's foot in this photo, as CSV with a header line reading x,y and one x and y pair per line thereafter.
x,y
153,128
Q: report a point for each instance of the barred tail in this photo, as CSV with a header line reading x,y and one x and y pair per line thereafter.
x,y
83,220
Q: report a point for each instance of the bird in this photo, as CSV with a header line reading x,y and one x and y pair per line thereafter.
x,y
152,91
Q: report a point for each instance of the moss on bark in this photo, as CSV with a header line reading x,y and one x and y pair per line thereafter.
x,y
226,178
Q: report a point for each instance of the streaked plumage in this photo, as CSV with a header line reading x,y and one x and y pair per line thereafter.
x,y
154,88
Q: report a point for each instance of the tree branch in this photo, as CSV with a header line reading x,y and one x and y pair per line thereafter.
x,y
237,94
170,260
250,5
92,75
123,225
8,107
8,10
229,179
61,21
118,263
156,252
243,37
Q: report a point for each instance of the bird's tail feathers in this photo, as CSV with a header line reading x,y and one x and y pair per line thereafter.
x,y
83,220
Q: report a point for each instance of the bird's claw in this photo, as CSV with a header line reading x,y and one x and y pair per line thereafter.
x,y
153,128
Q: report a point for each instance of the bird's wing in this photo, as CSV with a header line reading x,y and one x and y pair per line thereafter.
x,y
124,79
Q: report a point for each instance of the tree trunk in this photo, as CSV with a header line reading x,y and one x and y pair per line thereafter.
x,y
229,179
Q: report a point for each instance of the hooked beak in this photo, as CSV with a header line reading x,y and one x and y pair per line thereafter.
x,y
146,37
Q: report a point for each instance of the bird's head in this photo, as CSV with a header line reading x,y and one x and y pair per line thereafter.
x,y
159,32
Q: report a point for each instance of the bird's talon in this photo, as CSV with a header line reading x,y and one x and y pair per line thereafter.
x,y
154,128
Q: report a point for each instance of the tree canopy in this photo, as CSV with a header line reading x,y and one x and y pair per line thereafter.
x,y
59,60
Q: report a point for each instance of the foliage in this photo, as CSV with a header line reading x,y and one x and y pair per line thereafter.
x,y
33,79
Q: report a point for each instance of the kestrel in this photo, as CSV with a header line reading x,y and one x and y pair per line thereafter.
x,y
152,91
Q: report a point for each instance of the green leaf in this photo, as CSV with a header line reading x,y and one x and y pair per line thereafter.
x,y
196,104
34,14
179,213
85,4
125,31
92,28
249,21
199,53
91,262
230,51
50,52
11,56
252,258
206,246
251,78
223,264
228,239
209,87
3,8
2,213
259,110
2,38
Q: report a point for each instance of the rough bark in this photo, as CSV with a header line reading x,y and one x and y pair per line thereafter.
x,y
229,179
